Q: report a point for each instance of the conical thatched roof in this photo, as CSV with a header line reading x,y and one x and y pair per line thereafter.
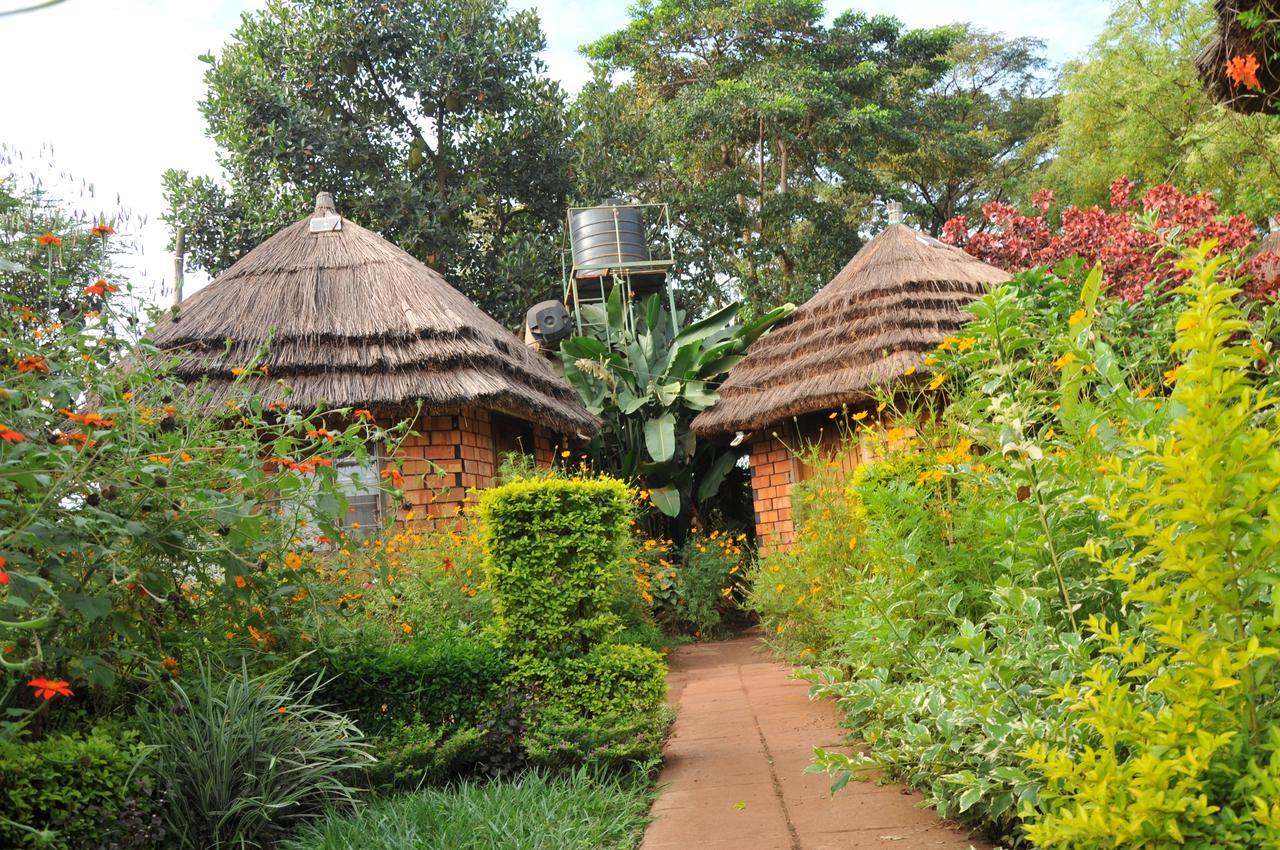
x,y
900,296
352,320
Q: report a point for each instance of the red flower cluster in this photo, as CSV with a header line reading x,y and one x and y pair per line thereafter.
x,y
50,688
100,287
306,467
1243,71
4,576
93,420
33,364
1130,256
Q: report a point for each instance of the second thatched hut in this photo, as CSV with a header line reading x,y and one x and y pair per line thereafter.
x,y
875,322
350,321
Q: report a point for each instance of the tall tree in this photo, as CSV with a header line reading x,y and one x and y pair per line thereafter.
x,y
979,132
1135,107
761,127
431,120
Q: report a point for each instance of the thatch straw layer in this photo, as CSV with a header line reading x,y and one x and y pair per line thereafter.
x,y
349,319
900,296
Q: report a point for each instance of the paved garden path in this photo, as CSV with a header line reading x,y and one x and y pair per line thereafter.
x,y
734,774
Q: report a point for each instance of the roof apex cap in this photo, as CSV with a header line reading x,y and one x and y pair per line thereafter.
x,y
324,205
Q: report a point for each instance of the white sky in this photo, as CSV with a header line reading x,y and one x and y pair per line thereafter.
x,y
111,86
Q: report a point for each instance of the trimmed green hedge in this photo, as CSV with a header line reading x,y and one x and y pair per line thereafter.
x,y
553,547
91,790
439,683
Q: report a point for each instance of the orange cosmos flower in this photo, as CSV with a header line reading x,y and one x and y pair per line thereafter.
x,y
10,436
1243,71
240,582
4,576
102,230
100,287
50,688
363,414
33,364
397,480
49,239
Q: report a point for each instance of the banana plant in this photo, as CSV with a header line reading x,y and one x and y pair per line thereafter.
x,y
647,377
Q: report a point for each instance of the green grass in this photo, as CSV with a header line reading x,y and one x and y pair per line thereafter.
x,y
567,811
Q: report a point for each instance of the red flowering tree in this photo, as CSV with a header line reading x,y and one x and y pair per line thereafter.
x,y
1131,239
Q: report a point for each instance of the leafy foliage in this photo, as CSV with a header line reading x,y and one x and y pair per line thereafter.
x,y
537,811
80,790
1134,105
432,122
761,125
647,382
249,758
949,592
136,524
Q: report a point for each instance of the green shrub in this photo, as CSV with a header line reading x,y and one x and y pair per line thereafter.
x,y
412,756
441,683
554,546
90,790
247,759
614,741
610,678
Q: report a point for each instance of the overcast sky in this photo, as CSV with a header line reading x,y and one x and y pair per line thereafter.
x,y
111,86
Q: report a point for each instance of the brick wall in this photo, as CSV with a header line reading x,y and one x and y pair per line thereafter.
x,y
774,469
452,452
772,474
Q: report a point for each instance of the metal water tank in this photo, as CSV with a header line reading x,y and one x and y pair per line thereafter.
x,y
607,237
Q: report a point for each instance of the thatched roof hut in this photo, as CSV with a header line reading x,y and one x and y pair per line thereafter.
x,y
349,319
900,296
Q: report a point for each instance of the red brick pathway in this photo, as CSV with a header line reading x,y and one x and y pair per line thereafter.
x,y
734,774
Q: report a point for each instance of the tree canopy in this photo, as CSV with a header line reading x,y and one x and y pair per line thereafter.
x,y
1135,107
432,121
761,125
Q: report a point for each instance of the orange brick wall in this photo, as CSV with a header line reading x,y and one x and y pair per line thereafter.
x,y
772,474
455,451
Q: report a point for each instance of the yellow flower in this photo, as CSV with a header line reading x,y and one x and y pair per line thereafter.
x,y
781,587
859,416
1171,376
1077,317
1065,359
833,414
967,343
565,453
406,628
910,371
1144,392
781,626
238,371
293,560
937,380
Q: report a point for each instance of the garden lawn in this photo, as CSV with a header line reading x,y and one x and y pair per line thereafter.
x,y
535,812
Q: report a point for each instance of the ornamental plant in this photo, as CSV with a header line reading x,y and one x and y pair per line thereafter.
x,y
1178,715
139,524
1131,240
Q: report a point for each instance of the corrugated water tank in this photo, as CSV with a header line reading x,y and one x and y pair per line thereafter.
x,y
607,237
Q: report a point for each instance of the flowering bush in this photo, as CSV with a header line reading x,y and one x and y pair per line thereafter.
x,y
1131,240
1056,618
137,524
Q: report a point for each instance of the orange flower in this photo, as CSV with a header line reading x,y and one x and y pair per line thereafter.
x,y
397,479
10,436
35,363
50,688
322,433
169,663
240,582
1243,71
49,239
363,414
102,230
100,287
4,576
90,419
